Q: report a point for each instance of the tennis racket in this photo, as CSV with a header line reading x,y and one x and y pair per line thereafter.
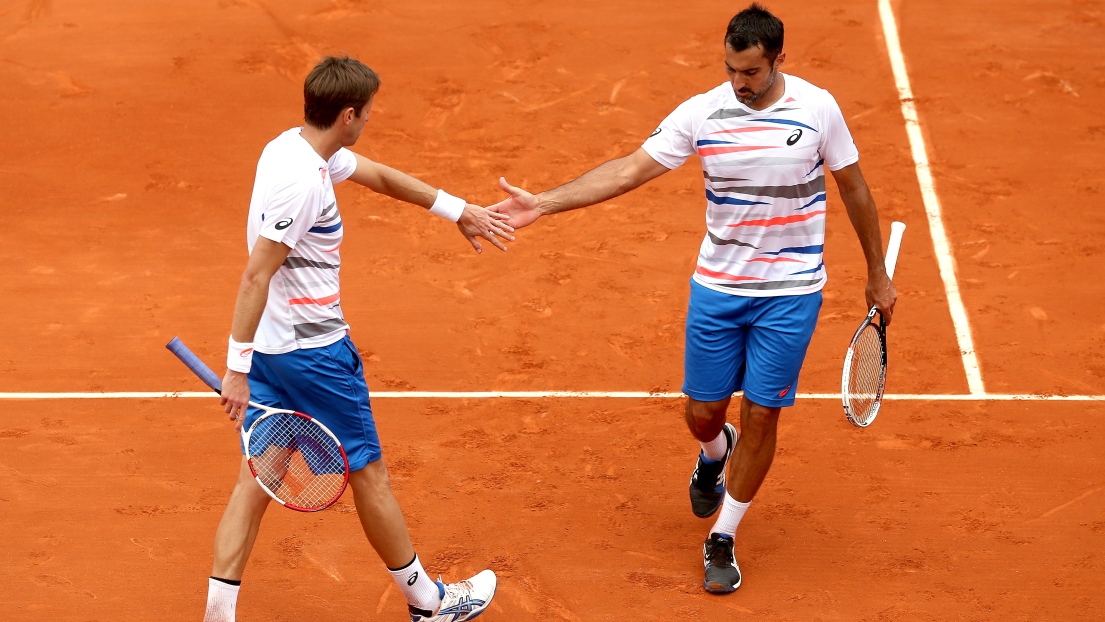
x,y
864,377
295,458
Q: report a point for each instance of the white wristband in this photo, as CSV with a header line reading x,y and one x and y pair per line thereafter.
x,y
239,356
448,206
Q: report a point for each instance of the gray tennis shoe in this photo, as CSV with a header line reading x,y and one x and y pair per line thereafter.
x,y
708,480
723,575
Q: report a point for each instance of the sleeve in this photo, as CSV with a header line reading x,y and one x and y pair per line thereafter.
x,y
290,212
837,147
342,164
673,142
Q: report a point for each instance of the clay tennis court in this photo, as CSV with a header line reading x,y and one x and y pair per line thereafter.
x,y
131,134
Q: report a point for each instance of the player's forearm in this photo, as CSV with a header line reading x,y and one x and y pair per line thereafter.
x,y
253,294
399,185
604,182
865,220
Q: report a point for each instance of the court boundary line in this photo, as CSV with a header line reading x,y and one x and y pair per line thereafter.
x,y
944,259
932,397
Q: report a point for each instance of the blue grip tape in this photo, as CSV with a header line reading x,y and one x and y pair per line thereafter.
x,y
177,347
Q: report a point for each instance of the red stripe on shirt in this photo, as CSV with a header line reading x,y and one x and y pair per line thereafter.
x,y
706,151
725,275
741,130
782,220
315,301
774,259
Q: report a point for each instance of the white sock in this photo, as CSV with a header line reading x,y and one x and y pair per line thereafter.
x,y
222,599
420,590
715,450
732,511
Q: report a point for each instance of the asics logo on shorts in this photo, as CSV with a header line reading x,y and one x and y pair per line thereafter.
x,y
784,392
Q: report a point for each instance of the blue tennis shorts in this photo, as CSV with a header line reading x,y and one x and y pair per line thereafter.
x,y
326,383
744,343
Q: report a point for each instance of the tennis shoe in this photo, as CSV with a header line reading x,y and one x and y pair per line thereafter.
x,y
723,575
708,480
461,601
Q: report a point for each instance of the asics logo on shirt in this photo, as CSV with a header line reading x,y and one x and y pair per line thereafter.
x,y
794,137
656,132
283,224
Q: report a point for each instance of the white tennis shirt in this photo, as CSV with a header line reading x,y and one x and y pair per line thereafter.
x,y
765,184
293,202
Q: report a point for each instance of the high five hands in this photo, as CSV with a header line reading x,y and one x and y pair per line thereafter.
x,y
520,208
477,222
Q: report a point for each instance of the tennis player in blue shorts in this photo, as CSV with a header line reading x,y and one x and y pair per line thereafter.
x,y
290,347
764,139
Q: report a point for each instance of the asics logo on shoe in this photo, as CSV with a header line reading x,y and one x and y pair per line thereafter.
x,y
465,606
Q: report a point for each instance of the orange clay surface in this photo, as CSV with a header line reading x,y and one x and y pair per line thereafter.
x,y
131,132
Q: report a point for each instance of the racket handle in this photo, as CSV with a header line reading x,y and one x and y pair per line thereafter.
x,y
177,347
897,229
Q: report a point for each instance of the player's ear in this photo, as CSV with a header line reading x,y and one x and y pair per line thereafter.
x,y
779,59
347,115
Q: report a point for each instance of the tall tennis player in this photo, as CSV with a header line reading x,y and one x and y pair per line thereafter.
x,y
289,345
765,140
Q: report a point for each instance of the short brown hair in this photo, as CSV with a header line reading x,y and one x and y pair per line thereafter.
x,y
755,26
335,84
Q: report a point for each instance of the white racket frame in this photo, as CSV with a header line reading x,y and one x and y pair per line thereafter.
x,y
897,230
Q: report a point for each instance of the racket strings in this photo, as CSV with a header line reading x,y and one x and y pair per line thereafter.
x,y
296,460
865,375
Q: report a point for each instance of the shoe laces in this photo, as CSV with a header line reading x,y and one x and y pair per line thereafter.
x,y
457,589
720,551
708,474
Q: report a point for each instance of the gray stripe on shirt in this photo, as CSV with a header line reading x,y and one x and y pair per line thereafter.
x,y
797,191
306,331
769,284
728,113
300,262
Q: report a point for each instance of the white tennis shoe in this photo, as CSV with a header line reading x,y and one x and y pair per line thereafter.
x,y
461,601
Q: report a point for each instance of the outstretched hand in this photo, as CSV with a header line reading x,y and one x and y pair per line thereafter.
x,y
520,206
478,222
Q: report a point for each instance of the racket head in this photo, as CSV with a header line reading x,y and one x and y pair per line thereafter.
x,y
296,459
864,376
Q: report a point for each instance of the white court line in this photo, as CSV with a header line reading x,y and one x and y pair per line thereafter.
x,y
932,204
937,397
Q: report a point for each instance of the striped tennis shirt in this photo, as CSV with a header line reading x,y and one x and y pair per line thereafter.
x,y
764,174
293,203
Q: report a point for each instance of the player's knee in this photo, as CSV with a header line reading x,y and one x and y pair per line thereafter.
x,y
372,480
706,419
250,493
761,421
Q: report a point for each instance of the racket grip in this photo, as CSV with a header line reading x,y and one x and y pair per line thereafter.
x,y
897,229
192,362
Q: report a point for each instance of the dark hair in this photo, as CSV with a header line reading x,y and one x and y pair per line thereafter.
x,y
335,84
755,26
